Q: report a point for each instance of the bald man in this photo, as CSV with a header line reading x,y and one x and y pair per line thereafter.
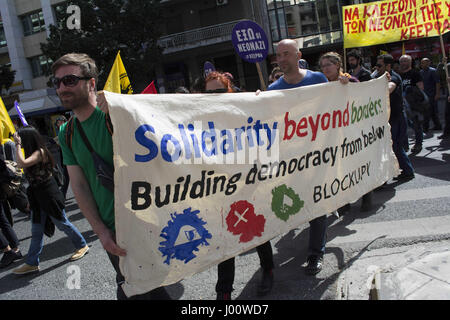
x,y
288,56
411,78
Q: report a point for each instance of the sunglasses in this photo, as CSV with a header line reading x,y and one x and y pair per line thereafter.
x,y
221,90
70,80
379,65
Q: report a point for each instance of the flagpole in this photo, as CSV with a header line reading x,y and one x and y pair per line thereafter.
x,y
442,42
345,60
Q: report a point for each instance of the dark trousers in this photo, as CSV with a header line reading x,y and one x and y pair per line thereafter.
x,y
317,236
398,136
155,294
432,113
7,235
225,269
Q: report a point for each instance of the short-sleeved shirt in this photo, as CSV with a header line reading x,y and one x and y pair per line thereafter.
x,y
411,78
101,141
396,97
310,78
363,75
430,78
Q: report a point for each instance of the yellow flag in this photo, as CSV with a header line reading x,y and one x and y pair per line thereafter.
x,y
118,80
6,125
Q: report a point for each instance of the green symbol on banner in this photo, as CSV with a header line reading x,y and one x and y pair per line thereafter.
x,y
285,202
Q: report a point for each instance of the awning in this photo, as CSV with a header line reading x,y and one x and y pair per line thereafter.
x,y
39,106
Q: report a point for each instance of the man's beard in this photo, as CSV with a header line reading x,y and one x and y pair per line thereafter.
x,y
352,66
74,103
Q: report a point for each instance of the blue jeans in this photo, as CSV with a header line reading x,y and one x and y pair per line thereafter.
x,y
317,236
398,136
37,236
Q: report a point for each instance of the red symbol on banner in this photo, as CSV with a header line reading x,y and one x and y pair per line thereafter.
x,y
242,220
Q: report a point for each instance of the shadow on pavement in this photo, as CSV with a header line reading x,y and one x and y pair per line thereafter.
x,y
290,280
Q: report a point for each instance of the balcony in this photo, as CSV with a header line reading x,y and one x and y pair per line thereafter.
x,y
197,38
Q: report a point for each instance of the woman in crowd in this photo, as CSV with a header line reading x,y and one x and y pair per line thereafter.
x,y
218,83
46,200
331,65
9,243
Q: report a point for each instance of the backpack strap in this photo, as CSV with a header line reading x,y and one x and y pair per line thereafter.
x,y
69,133
109,124
70,128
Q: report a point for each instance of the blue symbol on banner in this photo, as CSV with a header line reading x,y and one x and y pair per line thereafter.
x,y
181,245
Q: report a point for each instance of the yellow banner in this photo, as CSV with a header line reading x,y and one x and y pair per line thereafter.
x,y
118,80
394,20
6,125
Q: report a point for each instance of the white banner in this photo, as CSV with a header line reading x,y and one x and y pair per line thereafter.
x,y
202,178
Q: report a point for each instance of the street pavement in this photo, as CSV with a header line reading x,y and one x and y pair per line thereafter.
x,y
398,250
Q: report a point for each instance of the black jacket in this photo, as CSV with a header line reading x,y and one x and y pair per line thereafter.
x,y
46,196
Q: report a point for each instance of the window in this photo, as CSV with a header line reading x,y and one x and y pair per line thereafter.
x,y
33,23
302,18
40,65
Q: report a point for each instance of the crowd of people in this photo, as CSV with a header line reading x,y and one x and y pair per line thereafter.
x,y
413,96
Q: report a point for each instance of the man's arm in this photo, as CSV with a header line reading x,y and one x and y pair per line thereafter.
x,y
88,207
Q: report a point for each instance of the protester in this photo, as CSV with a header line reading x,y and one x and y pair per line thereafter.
x,y
331,66
275,75
288,57
75,81
432,87
396,118
46,200
231,78
9,243
411,81
356,68
217,82
19,199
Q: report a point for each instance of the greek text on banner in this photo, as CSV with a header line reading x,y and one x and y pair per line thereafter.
x,y
394,20
201,178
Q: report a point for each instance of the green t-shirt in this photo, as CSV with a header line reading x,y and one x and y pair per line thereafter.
x,y
101,141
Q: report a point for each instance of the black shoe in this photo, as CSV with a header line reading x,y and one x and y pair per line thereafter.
x,y
444,136
223,296
416,149
9,257
404,177
314,265
266,283
344,209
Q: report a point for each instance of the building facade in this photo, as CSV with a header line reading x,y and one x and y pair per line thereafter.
x,y
25,24
193,32
200,31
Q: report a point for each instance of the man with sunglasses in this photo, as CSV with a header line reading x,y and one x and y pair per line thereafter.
x,y
75,80
397,118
